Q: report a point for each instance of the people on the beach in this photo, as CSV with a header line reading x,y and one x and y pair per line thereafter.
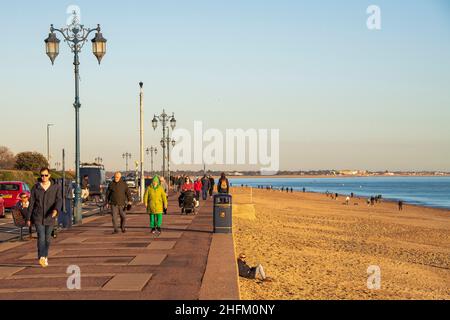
x,y
347,201
45,205
400,205
245,271
155,200
118,196
223,185
22,206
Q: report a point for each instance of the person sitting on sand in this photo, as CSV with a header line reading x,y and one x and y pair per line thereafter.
x,y
245,271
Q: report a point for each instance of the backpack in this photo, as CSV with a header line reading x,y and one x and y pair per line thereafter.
x,y
223,184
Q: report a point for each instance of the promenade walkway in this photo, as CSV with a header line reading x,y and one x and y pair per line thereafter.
x,y
135,265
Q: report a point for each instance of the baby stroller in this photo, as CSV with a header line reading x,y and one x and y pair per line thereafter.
x,y
187,202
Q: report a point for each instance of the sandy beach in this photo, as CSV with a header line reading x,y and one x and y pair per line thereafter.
x,y
318,248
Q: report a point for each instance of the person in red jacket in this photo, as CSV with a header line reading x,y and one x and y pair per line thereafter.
x,y
198,188
187,186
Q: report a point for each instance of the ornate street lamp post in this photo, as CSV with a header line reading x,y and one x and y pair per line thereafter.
x,y
126,156
98,160
165,120
76,36
152,151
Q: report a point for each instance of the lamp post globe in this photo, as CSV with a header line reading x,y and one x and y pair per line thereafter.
x,y
173,122
52,46
99,46
155,123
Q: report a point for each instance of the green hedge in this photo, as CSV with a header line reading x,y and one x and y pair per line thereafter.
x,y
27,176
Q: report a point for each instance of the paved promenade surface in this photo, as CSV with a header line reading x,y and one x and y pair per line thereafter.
x,y
135,265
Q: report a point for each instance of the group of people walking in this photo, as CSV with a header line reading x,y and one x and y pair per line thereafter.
x,y
45,203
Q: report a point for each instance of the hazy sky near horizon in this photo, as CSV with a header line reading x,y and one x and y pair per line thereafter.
x,y
342,96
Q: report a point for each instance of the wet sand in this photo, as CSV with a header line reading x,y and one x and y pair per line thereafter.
x,y
318,248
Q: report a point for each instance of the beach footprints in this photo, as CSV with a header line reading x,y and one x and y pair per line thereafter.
x,y
374,279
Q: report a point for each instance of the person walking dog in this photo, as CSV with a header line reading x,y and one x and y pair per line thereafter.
x,y
45,205
118,196
155,200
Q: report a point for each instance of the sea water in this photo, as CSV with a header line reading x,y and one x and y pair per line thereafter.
x,y
425,191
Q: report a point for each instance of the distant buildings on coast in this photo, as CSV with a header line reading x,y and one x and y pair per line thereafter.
x,y
311,173
346,173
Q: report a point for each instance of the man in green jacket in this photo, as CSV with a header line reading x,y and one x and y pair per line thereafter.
x,y
155,200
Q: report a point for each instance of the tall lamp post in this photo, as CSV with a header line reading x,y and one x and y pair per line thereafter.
x,y
141,140
152,151
166,144
48,142
165,120
76,36
126,156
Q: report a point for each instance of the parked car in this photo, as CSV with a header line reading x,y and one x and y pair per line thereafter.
x,y
10,192
131,183
2,207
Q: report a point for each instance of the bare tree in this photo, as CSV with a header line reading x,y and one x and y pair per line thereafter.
x,y
7,159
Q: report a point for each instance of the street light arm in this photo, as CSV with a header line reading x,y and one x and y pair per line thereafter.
x,y
72,35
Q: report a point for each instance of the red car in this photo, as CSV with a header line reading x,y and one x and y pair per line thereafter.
x,y
2,208
10,192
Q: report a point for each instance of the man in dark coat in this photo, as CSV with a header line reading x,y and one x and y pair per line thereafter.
x,y
205,187
118,197
212,183
45,205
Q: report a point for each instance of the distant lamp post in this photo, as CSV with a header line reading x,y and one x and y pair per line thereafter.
x,y
165,120
76,36
48,142
126,156
152,151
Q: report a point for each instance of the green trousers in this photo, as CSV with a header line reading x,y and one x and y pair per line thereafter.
x,y
155,220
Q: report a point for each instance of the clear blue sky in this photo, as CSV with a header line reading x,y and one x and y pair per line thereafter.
x,y
343,96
